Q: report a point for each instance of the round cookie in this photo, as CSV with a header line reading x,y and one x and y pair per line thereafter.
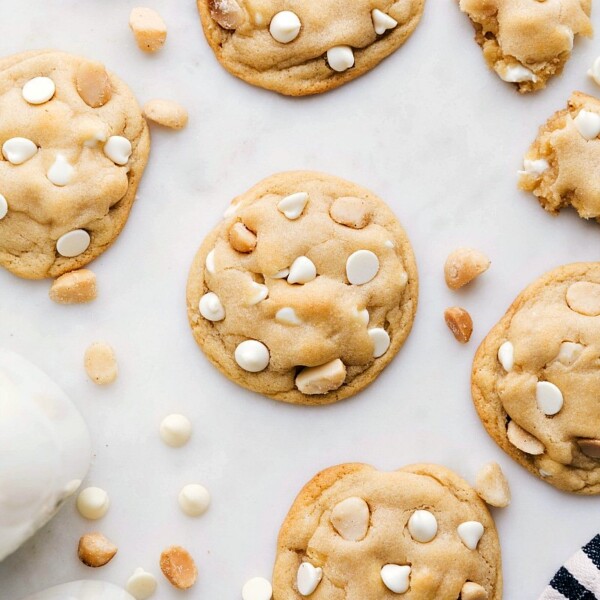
x,y
355,533
299,48
73,146
536,379
305,291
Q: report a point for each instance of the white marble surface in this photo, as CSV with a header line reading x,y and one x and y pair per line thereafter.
x,y
434,133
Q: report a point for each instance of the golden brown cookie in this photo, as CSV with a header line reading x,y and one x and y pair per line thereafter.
x,y
536,379
299,48
355,533
74,146
305,291
561,167
528,41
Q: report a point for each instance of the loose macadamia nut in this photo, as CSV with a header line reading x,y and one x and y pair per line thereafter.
x,y
93,84
460,323
464,265
178,567
166,113
492,486
148,28
101,363
76,287
95,550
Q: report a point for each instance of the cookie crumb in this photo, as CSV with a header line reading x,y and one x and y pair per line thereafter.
x,y
178,567
167,113
460,323
95,550
75,287
149,29
100,363
463,265
492,485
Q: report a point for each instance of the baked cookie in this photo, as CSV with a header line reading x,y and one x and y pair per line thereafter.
x,y
73,145
355,533
305,291
528,41
561,167
299,48
536,379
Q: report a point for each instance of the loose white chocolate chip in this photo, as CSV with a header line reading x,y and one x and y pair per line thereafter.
x,y
101,364
516,74
396,578
549,398
534,168
569,352
361,267
73,243
285,26
492,486
287,316
17,150
175,430
257,588
382,22
473,591
340,58
590,447
118,149
92,503
61,172
350,518
38,90
210,262
381,341
194,499
95,550
210,307
594,72
523,440
322,379
302,270
281,274
583,297
308,578
588,124
506,356
141,585
252,356
470,533
422,526
3,207
293,206
93,84
167,113
148,28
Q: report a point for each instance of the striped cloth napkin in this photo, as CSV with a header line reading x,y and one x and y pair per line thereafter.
x,y
579,577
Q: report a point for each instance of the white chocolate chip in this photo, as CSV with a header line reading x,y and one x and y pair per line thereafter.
x,y
92,142
285,26
470,532
516,74
92,503
118,149
141,585
322,379
194,499
492,486
73,243
293,206
287,316
350,518
389,244
308,578
61,172
362,315
100,363
257,588
583,297
422,526
594,72
210,262
588,124
382,22
396,578
381,341
281,274
569,352
361,267
549,398
38,90
210,307
506,356
340,58
523,440
534,168
3,207
302,270
17,150
252,356
175,430
258,292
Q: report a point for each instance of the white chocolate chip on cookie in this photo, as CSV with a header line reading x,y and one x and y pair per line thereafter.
x,y
258,293
61,172
293,206
211,307
549,398
3,207
396,578
39,90
422,526
308,578
534,168
506,356
287,316
73,243
350,518
17,150
588,124
302,270
470,532
285,26
381,341
322,379
210,262
252,356
569,352
361,267
118,149
340,58
382,22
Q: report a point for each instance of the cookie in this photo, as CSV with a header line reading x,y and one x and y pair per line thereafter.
x,y
528,41
355,533
301,48
536,380
74,146
561,165
305,291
